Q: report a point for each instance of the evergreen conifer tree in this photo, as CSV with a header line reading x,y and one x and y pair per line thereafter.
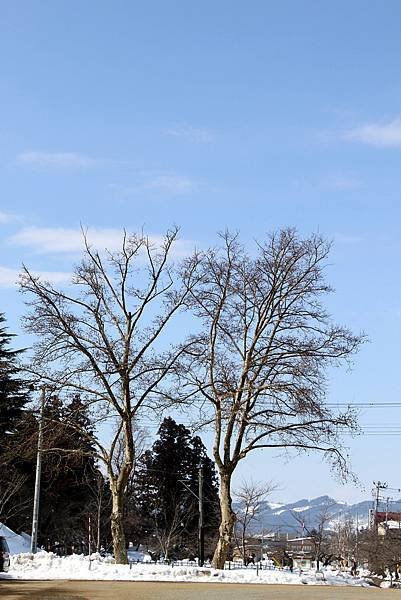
x,y
14,396
13,391
69,474
166,490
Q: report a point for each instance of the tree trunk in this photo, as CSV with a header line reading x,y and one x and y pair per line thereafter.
x,y
226,525
117,526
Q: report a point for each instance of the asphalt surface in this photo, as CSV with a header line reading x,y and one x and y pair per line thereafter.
x,y
121,590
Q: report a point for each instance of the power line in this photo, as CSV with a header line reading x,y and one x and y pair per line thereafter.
x,y
362,404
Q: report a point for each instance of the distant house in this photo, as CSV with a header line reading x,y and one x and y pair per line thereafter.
x,y
391,525
302,546
276,540
387,521
302,551
282,547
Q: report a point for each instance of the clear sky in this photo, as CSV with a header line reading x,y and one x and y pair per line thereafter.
x,y
248,115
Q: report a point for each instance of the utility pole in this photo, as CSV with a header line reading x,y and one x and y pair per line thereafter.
x,y
89,535
201,533
379,486
36,498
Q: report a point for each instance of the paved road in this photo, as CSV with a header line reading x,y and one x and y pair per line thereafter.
x,y
119,590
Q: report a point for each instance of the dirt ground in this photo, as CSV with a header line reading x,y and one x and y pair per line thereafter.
x,y
120,590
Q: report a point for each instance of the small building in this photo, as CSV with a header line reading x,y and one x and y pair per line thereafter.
x,y
384,519
302,552
301,545
391,525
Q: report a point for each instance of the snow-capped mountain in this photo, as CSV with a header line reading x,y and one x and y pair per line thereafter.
x,y
275,516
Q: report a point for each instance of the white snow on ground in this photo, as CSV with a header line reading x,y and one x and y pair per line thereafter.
x,y
17,543
46,565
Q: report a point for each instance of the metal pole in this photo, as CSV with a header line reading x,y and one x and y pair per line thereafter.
x,y
379,486
201,539
89,536
35,516
377,498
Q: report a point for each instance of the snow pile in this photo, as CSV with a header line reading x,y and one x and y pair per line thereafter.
x,y
17,543
46,565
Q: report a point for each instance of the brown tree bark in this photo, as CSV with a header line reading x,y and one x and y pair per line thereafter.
x,y
117,524
227,523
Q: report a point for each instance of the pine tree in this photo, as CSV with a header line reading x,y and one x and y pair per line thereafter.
x,y
167,486
14,396
70,477
69,474
13,391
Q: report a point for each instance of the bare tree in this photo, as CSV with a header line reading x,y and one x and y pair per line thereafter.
x,y
12,502
99,509
381,552
15,502
105,337
345,538
267,341
249,495
170,527
321,535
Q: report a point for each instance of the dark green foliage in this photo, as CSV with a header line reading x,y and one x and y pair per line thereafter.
x,y
70,480
72,487
13,390
68,473
167,474
14,396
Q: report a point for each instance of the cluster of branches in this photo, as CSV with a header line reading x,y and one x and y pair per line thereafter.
x,y
262,358
325,543
381,552
249,496
164,494
72,487
254,368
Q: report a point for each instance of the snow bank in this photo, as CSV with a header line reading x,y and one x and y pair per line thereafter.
x,y
17,543
46,565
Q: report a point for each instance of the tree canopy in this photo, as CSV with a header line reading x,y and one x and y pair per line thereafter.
x,y
167,485
14,394
267,342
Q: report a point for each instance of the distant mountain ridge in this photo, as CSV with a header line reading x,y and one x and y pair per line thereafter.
x,y
276,516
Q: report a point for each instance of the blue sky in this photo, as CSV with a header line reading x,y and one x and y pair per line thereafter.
x,y
217,114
